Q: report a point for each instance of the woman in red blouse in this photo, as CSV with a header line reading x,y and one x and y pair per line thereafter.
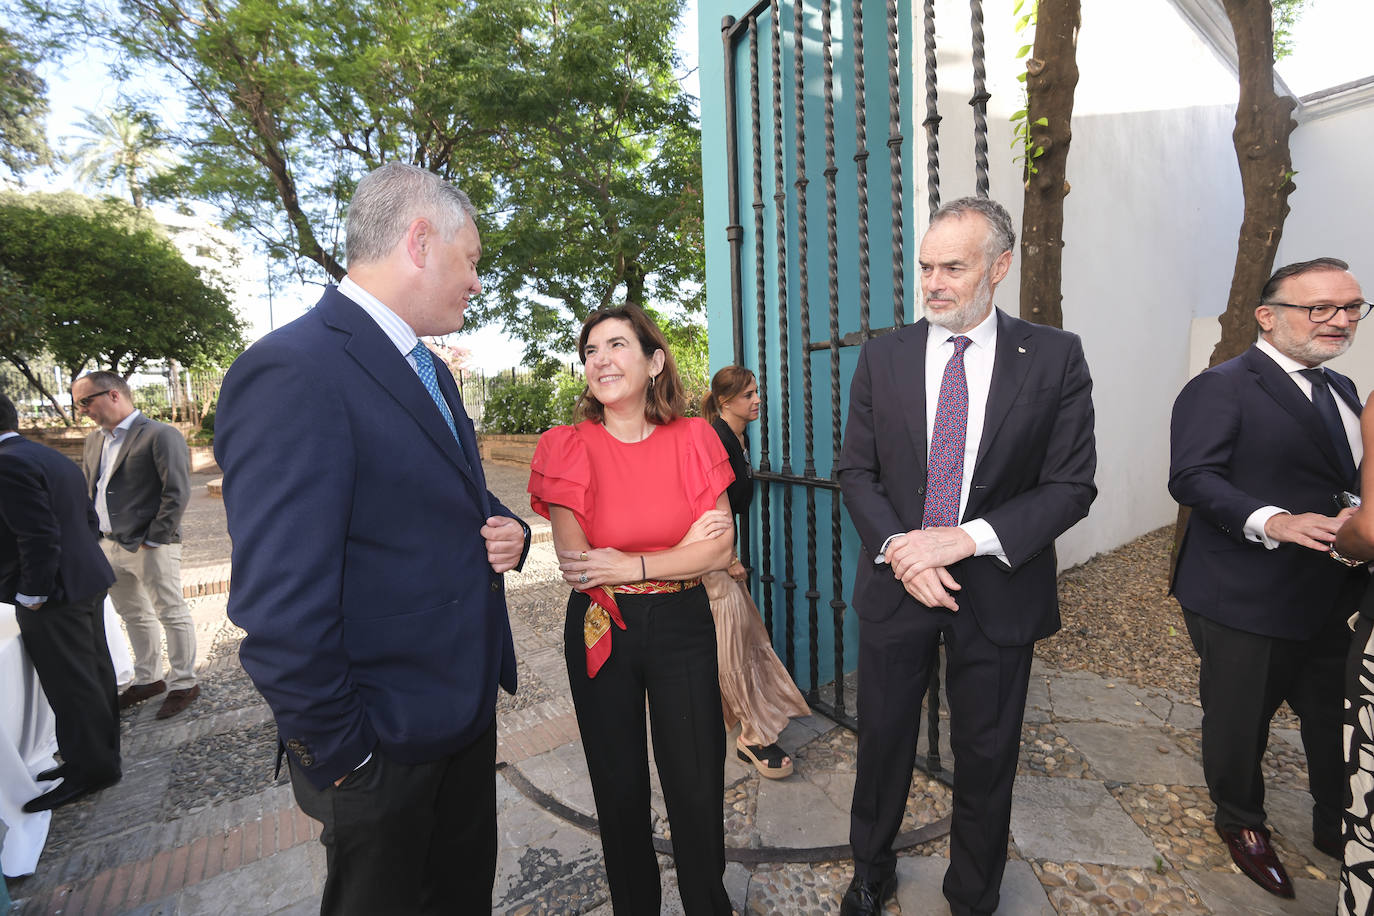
x,y
636,495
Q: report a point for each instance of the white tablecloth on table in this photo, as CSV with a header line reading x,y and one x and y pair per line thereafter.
x,y
28,739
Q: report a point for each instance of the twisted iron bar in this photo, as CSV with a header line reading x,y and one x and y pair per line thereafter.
x,y
766,559
932,121
780,221
789,575
979,101
894,158
861,159
803,297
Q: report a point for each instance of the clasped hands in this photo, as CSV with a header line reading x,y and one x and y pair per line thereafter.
x,y
919,559
584,569
1307,529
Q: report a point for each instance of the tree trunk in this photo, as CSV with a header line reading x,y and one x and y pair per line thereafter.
x,y
33,379
1052,77
1264,122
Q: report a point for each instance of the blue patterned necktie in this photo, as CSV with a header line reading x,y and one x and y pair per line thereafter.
x,y
1330,415
945,468
424,365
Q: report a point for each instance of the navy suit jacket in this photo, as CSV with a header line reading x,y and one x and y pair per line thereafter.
x,y
1243,437
1033,479
49,541
373,618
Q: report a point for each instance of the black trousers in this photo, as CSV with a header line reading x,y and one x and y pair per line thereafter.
x,y
1243,679
667,653
986,690
409,839
66,643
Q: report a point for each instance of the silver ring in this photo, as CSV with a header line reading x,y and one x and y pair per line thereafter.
x,y
582,579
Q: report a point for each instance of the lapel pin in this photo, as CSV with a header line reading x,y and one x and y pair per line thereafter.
x,y
1020,349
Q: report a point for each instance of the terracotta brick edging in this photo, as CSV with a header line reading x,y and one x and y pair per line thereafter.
x,y
122,888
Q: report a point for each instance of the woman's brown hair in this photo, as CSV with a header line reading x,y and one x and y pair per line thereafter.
x,y
728,383
665,401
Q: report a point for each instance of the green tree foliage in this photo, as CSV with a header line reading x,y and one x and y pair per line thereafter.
x,y
1286,14
562,120
90,281
23,107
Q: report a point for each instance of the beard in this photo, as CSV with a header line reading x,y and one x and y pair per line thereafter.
x,y
1308,349
965,317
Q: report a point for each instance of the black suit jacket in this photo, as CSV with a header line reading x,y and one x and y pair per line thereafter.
x,y
1243,437
373,618
1032,481
48,540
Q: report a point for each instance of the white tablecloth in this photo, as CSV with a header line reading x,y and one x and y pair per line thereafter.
x,y
28,740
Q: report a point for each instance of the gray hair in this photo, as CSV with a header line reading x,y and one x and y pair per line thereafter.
x,y
1270,293
110,381
389,199
1001,232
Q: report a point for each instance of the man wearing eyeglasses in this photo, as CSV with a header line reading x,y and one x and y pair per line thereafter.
x,y
138,476
1263,447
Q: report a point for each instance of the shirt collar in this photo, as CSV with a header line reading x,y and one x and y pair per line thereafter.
x,y
8,435
122,427
983,334
1286,363
395,327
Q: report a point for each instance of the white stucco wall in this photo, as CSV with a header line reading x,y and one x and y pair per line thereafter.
x,y
1151,223
1333,204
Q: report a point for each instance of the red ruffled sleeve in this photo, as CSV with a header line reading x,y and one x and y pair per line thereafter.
x,y
705,466
560,472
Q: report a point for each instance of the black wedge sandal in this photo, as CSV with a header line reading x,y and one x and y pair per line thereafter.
x,y
768,760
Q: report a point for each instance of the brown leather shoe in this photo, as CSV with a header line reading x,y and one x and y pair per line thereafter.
x,y
178,700
140,692
1252,852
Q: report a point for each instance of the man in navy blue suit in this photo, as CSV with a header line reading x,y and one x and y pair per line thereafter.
x,y
1262,445
368,556
53,571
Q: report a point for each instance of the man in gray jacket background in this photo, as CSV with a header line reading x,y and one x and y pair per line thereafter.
x,y
138,475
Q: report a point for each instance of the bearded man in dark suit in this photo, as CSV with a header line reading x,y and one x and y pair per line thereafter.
x,y
969,448
1261,447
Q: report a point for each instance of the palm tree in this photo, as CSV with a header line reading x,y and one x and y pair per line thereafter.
x,y
121,144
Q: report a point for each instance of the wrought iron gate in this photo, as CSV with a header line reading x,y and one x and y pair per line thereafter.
x,y
775,312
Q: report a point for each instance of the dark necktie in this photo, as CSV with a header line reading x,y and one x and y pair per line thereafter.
x,y
1330,415
945,468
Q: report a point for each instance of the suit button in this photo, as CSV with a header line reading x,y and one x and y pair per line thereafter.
x,y
307,760
495,585
920,491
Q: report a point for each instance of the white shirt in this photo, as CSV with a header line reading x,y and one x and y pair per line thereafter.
x,y
1254,525
109,454
392,325
978,360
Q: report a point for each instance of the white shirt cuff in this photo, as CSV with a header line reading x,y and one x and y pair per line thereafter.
x,y
881,558
30,600
985,540
1254,526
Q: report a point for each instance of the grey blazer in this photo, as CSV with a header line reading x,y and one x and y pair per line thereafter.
x,y
150,486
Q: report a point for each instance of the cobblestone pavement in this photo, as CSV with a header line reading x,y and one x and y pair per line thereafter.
x,y
1111,815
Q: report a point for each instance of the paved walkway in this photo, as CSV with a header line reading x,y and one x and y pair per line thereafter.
x,y
1110,812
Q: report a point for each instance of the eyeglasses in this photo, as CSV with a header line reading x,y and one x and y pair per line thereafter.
x,y
86,401
1321,314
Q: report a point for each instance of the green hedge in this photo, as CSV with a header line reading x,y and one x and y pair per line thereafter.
x,y
530,405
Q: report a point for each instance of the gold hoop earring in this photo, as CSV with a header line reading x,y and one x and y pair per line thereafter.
x,y
651,385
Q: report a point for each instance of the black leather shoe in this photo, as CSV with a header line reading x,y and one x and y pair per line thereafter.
x,y
49,775
865,898
1333,846
67,793
1252,852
